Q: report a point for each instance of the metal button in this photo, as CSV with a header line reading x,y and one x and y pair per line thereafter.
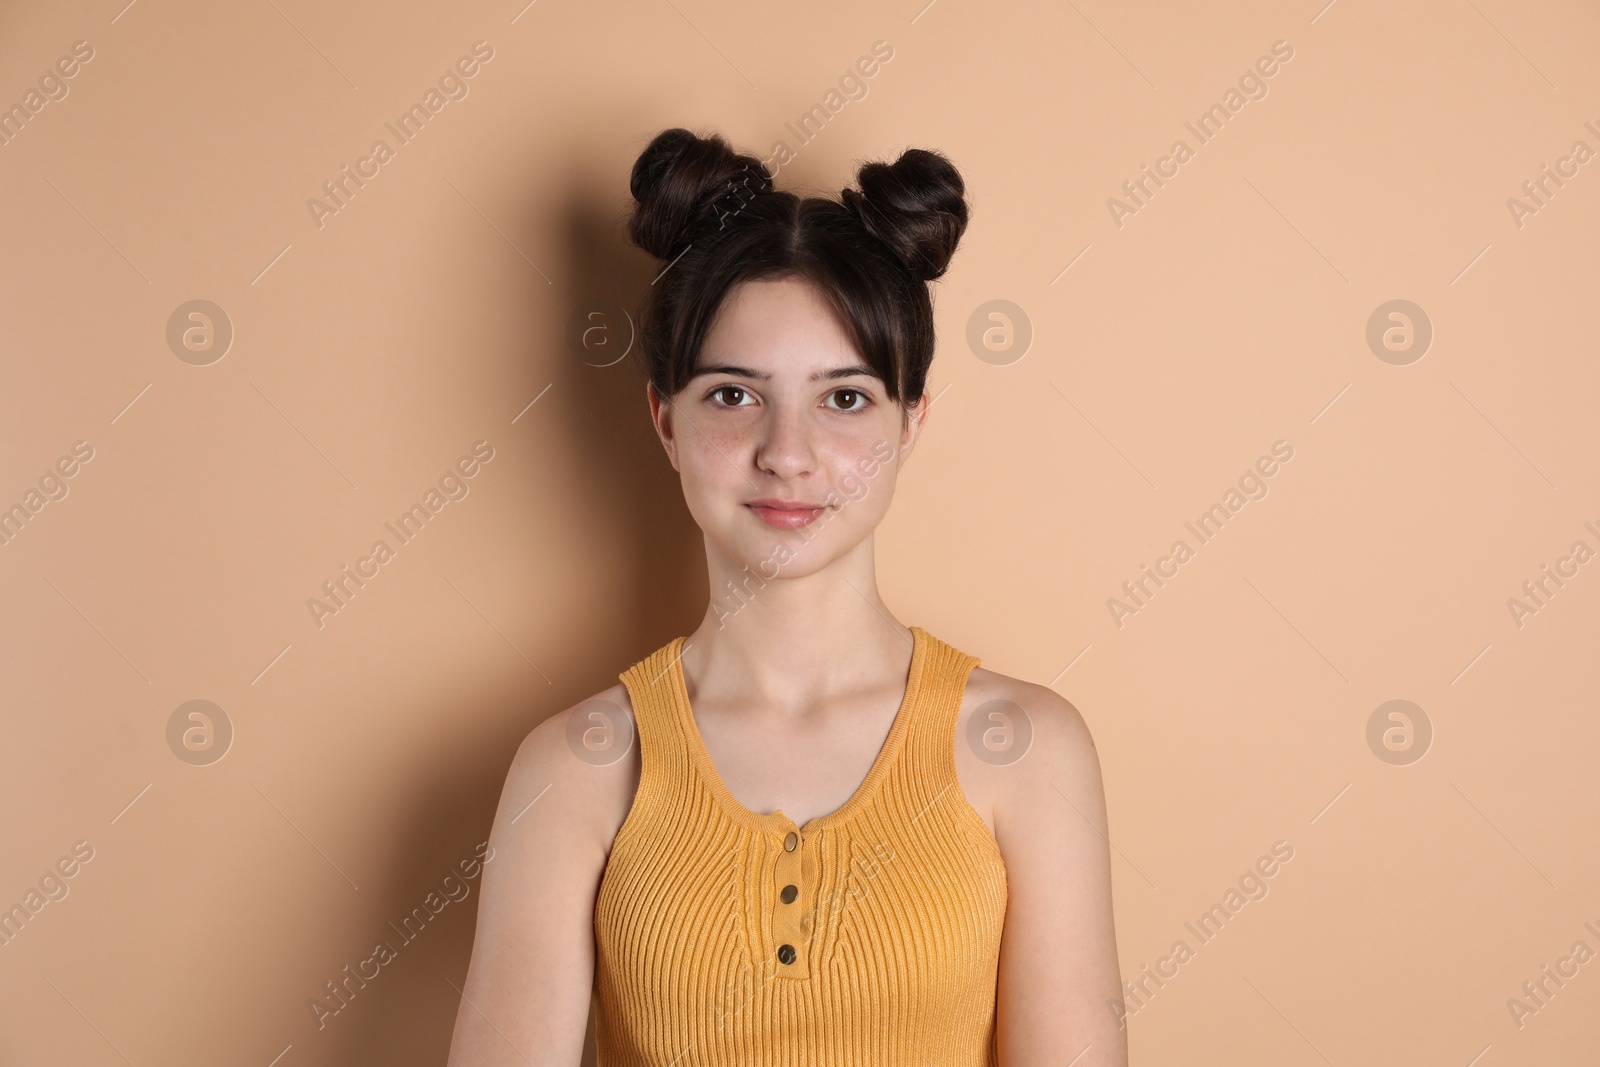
x,y
786,953
791,841
788,894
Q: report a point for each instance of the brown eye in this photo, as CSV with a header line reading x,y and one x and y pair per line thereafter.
x,y
730,396
849,399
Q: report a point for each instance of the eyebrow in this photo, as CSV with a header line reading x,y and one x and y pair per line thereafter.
x,y
745,372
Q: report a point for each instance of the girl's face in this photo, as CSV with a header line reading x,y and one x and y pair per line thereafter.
x,y
786,443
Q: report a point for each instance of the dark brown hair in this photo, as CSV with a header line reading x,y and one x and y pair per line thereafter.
x,y
713,218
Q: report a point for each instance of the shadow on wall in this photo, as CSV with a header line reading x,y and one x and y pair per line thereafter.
x,y
607,440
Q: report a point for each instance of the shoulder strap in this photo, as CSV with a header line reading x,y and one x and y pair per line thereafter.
x,y
932,741
663,756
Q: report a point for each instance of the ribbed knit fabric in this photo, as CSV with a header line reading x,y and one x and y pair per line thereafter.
x,y
894,927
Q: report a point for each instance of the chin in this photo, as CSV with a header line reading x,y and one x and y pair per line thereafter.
x,y
786,554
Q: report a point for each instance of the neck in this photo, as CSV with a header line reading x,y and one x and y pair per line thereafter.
x,y
795,639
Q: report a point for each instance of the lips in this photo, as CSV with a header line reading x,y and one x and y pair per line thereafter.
x,y
785,514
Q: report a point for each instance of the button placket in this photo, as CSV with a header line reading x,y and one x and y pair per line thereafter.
x,y
790,908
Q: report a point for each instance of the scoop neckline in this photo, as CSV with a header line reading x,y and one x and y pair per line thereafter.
x,y
777,821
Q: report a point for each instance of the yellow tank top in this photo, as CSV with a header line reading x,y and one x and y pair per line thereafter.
x,y
870,936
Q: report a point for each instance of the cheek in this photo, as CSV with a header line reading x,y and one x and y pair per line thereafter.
x,y
879,491
715,435
864,484
717,456
709,461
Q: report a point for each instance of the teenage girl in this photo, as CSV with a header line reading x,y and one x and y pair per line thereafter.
x,y
805,833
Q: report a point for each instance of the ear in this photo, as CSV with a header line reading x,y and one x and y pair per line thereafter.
x,y
912,424
661,418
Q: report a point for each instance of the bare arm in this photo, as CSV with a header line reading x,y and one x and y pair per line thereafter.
x,y
526,996
1058,956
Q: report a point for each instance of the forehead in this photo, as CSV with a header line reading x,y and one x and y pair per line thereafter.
x,y
776,323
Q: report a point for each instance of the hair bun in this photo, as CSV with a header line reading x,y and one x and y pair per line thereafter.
x,y
682,181
915,205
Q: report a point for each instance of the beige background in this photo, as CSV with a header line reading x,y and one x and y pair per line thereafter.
x,y
1228,313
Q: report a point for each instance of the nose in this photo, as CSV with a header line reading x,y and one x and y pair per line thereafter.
x,y
785,448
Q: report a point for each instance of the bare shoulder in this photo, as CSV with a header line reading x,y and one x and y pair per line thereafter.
x,y
1018,743
587,755
1036,716
1058,957
568,788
